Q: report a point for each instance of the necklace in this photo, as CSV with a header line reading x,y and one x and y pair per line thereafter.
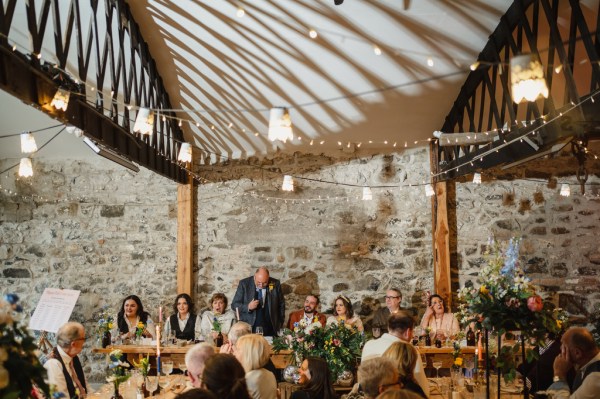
x,y
441,319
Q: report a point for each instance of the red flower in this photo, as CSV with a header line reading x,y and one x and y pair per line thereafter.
x,y
534,303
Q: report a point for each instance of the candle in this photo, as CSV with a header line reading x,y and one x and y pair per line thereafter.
x,y
476,359
237,313
158,350
160,314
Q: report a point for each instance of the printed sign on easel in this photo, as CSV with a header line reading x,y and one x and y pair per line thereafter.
x,y
54,309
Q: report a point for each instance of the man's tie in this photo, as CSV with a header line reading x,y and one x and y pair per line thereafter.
x,y
75,379
260,297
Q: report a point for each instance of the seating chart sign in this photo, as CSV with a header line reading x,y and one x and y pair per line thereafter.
x,y
54,309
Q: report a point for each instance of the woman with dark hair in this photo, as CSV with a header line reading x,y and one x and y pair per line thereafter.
x,y
443,325
343,313
218,313
315,380
131,317
183,322
224,376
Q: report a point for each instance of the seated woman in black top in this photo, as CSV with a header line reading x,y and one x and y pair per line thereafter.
x,y
183,322
315,380
132,317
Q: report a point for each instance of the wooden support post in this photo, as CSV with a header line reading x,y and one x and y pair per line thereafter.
x,y
441,244
185,236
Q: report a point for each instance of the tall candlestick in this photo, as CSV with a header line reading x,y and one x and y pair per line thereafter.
x,y
160,314
158,350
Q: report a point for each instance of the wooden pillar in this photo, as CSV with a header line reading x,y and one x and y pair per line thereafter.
x,y
185,236
441,243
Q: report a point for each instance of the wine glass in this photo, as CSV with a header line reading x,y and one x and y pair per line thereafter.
x,y
376,332
152,385
167,367
163,381
183,367
437,364
259,331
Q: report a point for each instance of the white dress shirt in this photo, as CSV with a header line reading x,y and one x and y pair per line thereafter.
x,y
589,389
55,372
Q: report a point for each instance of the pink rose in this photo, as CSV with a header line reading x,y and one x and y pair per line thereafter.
x,y
534,303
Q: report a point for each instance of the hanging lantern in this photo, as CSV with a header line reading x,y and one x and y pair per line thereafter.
x,y
527,78
144,121
477,178
367,194
280,125
25,168
28,144
185,153
565,190
288,183
429,190
61,99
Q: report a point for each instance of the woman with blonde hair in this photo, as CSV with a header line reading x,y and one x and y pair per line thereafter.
x,y
405,356
253,352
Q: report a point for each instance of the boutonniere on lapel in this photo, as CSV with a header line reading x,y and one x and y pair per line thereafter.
x,y
271,286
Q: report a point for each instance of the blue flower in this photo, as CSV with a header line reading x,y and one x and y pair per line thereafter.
x,y
11,298
511,258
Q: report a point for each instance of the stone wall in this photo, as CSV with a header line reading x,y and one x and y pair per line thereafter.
x,y
105,231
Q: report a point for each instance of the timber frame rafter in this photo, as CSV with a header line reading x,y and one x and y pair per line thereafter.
x,y
100,56
525,131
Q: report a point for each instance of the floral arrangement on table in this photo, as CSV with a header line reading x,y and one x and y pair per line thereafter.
x,y
506,300
456,356
143,366
21,373
339,344
139,329
105,321
216,326
118,370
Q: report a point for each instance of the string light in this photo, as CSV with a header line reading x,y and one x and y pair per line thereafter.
x,y
430,62
565,190
367,194
61,99
144,121
25,168
240,12
185,153
429,192
28,144
376,50
288,183
313,34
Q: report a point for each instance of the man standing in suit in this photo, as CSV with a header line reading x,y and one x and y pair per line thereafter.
x,y
308,313
63,367
259,302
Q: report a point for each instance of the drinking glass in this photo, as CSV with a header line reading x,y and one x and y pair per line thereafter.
x,y
152,384
183,368
163,381
437,364
376,332
259,330
167,367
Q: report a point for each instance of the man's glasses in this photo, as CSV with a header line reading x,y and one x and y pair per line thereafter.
x,y
392,297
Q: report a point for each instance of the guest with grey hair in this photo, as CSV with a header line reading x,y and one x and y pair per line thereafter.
x,y
237,330
195,358
376,376
63,366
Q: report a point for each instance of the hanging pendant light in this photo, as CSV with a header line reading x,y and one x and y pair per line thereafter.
x,y
565,190
288,183
28,144
61,99
185,153
477,178
429,190
144,121
367,194
280,125
25,168
527,78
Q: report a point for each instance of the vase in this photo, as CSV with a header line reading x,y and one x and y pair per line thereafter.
x,y
290,374
345,379
145,392
116,394
106,339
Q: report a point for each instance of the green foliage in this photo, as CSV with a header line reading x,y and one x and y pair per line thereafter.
x,y
339,344
20,369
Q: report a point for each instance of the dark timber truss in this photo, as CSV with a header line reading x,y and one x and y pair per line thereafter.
x,y
565,34
110,67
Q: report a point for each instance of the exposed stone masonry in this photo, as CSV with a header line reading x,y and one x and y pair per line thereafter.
x,y
108,232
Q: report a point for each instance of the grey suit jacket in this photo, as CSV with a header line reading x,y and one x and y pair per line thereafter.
x,y
274,300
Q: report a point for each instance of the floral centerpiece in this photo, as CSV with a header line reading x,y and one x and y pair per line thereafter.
x,y
506,300
339,344
457,360
105,325
143,366
139,329
117,370
21,373
216,326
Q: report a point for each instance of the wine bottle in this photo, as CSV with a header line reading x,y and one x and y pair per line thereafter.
x,y
470,337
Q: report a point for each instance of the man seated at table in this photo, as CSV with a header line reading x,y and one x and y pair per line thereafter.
x,y
393,298
309,313
400,328
374,377
195,359
63,366
580,351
